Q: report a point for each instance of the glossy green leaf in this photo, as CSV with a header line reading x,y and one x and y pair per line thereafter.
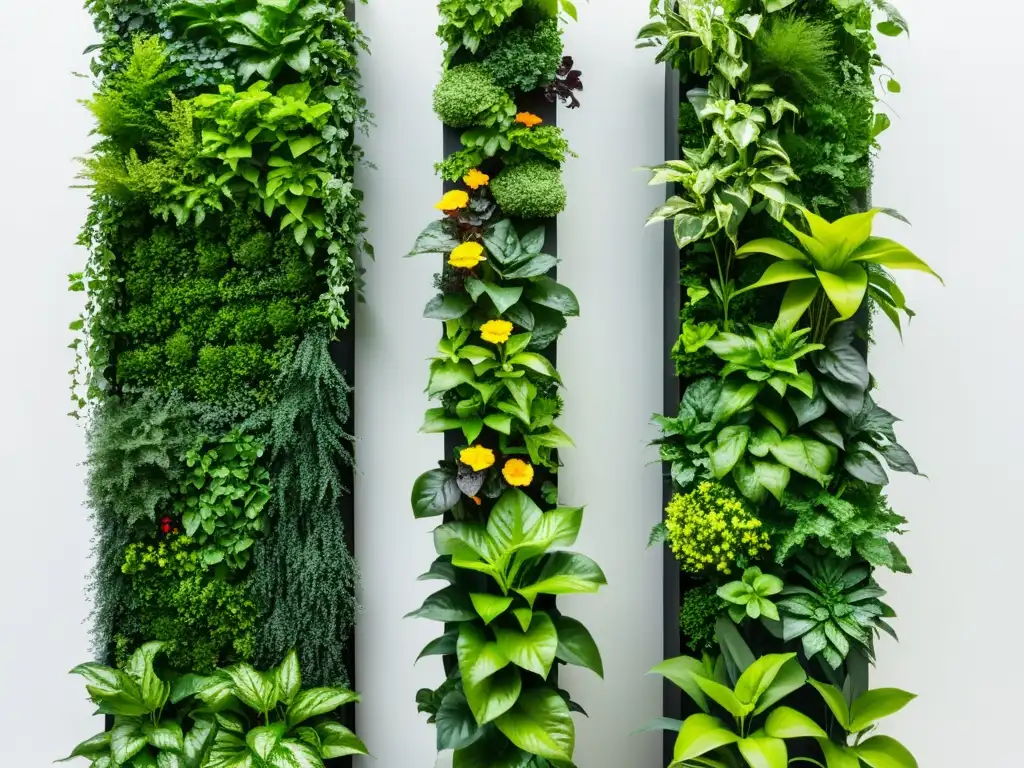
x,y
808,457
874,705
780,272
724,697
699,735
577,646
456,725
126,740
729,448
252,687
845,288
489,607
562,573
265,739
434,493
787,723
166,735
540,723
338,741
885,752
890,254
289,677
318,701
837,756
532,650
92,747
759,676
835,700
735,397
762,751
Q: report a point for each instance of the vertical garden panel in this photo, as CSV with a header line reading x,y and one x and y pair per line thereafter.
x,y
776,452
223,238
498,394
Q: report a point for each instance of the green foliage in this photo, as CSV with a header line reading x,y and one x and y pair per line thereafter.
x,y
834,609
135,450
304,575
520,143
530,190
465,25
468,95
700,610
269,144
748,597
222,497
793,54
858,523
204,619
237,714
525,58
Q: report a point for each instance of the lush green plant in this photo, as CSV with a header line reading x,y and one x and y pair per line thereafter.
x,y
749,702
237,716
465,25
832,275
525,58
710,529
698,614
469,95
530,190
835,611
748,597
223,496
204,620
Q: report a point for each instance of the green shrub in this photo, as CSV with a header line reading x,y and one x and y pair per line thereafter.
x,y
697,616
206,621
530,190
793,54
526,58
468,95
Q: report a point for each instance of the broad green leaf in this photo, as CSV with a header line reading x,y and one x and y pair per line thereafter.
x,y
492,750
837,756
553,295
502,297
489,607
787,723
167,735
495,695
762,751
562,573
864,465
289,677
140,667
772,247
252,687
885,752
699,735
537,363
318,701
446,375
265,739
834,699
796,301
441,646
434,493
338,741
532,650
780,272
845,288
689,228
199,739
450,306
540,723
757,678
456,726
874,705
92,747
576,645
808,457
295,754
188,685
890,254
126,741
479,656
450,604
733,398
683,671
724,697
728,449
789,679
513,521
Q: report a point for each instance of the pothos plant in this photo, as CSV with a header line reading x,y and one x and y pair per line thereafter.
x,y
780,452
501,542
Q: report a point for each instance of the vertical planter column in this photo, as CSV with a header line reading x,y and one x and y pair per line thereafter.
x,y
776,452
502,538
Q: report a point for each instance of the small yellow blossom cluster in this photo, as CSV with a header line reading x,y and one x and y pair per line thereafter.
x,y
711,529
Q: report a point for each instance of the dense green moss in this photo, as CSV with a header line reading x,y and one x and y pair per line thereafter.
x,y
531,190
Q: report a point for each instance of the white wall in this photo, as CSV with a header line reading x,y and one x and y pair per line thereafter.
x,y
45,539
951,169
951,165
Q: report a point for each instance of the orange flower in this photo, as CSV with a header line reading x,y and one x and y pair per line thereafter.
x,y
528,119
518,472
476,179
453,201
477,500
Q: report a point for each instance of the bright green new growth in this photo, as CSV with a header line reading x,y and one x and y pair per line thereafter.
x,y
525,58
793,54
530,190
468,95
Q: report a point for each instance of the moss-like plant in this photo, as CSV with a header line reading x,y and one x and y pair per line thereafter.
x,y
530,190
525,58
469,95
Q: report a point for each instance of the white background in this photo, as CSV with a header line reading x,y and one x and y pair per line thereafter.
x,y
951,164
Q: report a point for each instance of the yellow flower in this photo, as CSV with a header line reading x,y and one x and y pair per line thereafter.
x,y
496,331
453,201
467,255
528,119
477,458
518,473
475,179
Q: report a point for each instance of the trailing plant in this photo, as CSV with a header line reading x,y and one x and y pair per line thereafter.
x,y
497,398
236,715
